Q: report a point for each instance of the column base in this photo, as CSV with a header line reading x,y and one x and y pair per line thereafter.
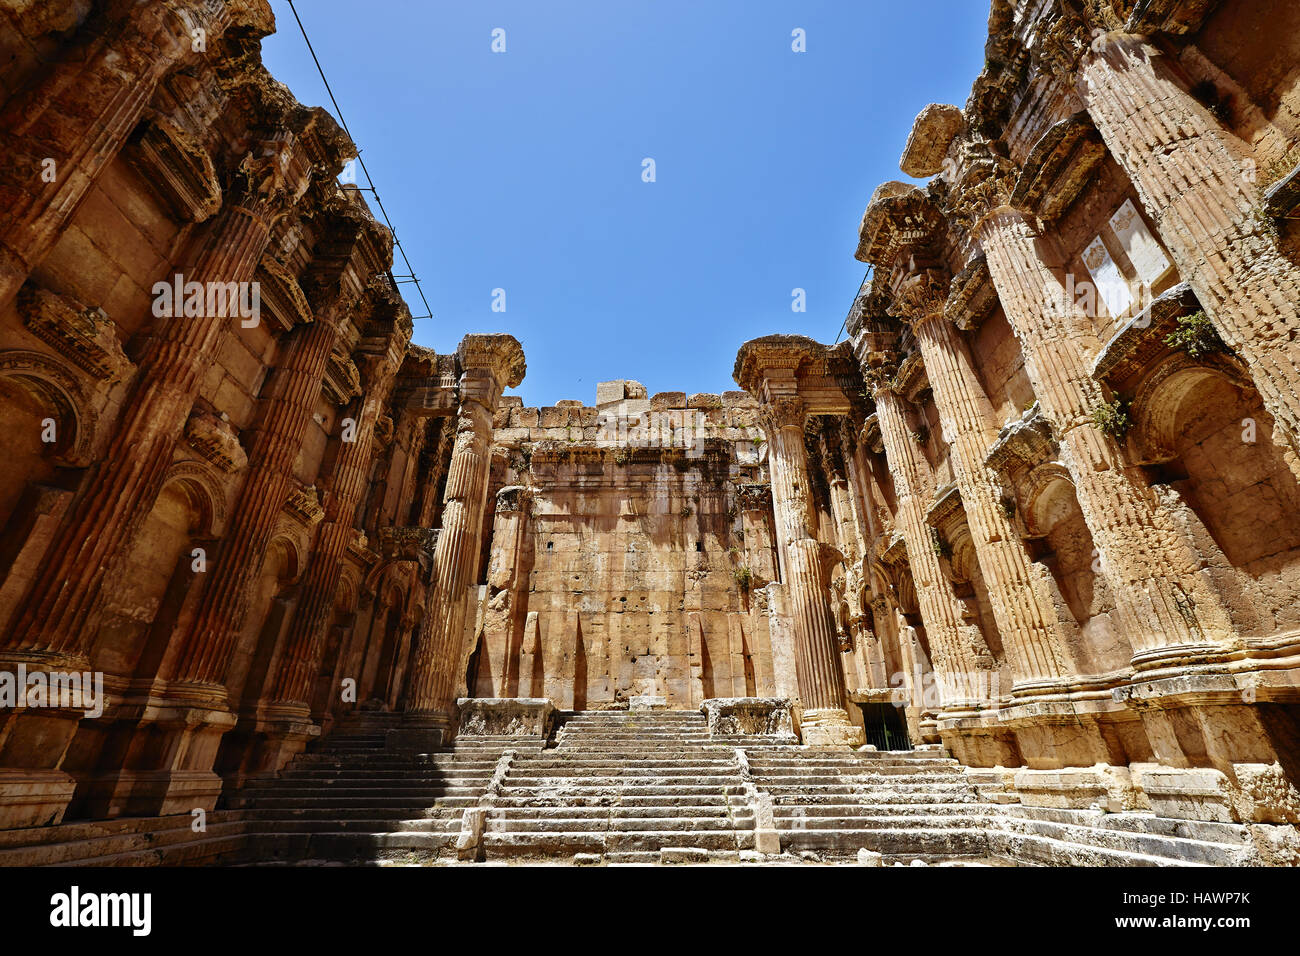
x,y
33,798
263,743
829,727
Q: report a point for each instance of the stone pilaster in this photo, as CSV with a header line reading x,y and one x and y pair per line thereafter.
x,y
62,131
503,622
1197,181
490,364
1162,596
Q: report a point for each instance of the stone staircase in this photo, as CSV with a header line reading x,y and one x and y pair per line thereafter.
x,y
630,787
348,799
906,805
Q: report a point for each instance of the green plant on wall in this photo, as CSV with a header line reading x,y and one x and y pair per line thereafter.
x,y
744,577
1112,418
1195,335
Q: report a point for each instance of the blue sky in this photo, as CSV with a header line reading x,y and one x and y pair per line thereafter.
x,y
522,170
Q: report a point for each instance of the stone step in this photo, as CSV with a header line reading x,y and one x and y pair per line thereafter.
x,y
378,816
1032,848
618,812
642,790
85,845
624,781
865,821
621,825
507,799
907,842
1229,834
1088,841
872,808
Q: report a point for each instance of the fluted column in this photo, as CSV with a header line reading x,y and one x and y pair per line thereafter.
x,y
73,120
490,364
824,720
295,675
1154,573
1193,177
1019,590
57,614
223,604
963,666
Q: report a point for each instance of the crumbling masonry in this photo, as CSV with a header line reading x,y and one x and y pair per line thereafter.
x,y
1040,511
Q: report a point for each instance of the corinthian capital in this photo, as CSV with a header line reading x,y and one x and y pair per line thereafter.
x,y
784,412
920,295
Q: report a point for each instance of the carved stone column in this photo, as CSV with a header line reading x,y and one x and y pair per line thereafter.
x,y
300,660
362,247
1019,590
1196,180
825,720
490,364
964,669
1162,595
61,131
56,615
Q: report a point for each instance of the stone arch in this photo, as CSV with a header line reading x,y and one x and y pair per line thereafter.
x,y
1155,406
1239,498
204,492
55,385
1062,542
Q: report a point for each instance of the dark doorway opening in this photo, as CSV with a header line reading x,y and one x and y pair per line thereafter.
x,y
886,729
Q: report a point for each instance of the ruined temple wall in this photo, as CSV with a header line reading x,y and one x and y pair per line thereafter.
x,y
633,553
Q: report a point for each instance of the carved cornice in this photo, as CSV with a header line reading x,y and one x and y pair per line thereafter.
x,y
303,505
216,440
1175,17
84,336
972,295
1141,340
758,358
342,380
177,167
282,299
1058,167
1023,444
899,219
513,499
500,354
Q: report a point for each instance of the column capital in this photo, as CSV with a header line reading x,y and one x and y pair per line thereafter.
x,y
351,249
782,412
920,295
984,182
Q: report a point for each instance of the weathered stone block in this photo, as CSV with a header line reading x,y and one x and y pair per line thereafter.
x,y
506,716
765,716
